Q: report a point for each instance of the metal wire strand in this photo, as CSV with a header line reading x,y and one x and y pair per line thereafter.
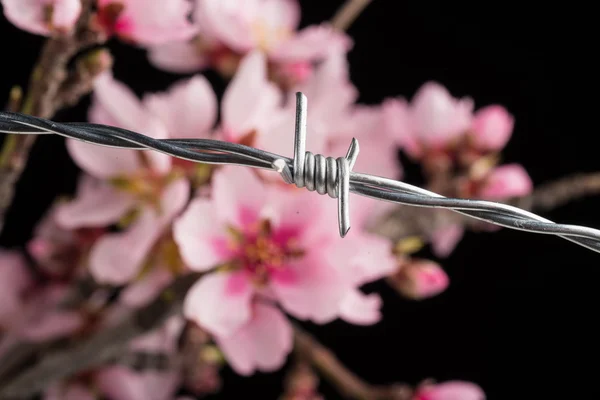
x,y
325,175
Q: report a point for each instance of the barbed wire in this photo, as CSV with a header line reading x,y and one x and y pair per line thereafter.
x,y
325,175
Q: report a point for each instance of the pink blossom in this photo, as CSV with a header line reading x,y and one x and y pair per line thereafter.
x,y
230,29
42,17
41,317
117,258
451,390
126,180
492,128
250,103
72,391
506,181
147,22
435,118
420,279
15,279
445,239
330,99
262,343
272,243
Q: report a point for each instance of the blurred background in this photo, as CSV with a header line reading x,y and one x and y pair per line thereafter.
x,y
520,315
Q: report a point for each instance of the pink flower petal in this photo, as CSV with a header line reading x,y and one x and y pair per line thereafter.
x,y
101,161
248,25
115,104
421,279
220,302
451,390
262,344
362,258
492,127
42,320
120,383
506,181
31,15
238,195
72,391
154,22
311,44
96,204
360,309
396,120
146,289
15,278
188,109
117,258
165,339
445,239
437,117
310,289
200,236
177,57
250,100
65,14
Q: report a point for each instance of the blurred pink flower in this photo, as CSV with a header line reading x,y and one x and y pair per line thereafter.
x,y
71,391
271,243
330,96
127,179
147,22
42,17
123,383
15,279
54,248
492,128
445,239
451,390
41,317
420,279
230,29
433,119
118,257
250,103
504,182
262,343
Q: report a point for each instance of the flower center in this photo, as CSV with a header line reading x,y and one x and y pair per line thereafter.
x,y
263,250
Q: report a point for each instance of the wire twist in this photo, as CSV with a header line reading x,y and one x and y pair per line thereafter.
x,y
315,172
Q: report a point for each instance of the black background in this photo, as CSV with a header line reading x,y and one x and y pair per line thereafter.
x,y
520,315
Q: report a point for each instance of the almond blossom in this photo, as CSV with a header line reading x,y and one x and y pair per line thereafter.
x,y
120,181
42,17
268,244
420,279
146,22
230,29
451,390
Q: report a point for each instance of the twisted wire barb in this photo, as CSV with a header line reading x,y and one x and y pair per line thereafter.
x,y
315,172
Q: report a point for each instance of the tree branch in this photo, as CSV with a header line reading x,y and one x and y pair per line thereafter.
x,y
100,348
45,82
344,380
348,13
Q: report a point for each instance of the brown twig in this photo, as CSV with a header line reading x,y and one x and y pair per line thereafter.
x,y
344,380
348,13
46,81
99,348
556,194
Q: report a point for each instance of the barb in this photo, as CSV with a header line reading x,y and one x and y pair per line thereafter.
x,y
314,172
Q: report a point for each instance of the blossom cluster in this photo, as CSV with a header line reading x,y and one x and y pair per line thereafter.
x,y
265,252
